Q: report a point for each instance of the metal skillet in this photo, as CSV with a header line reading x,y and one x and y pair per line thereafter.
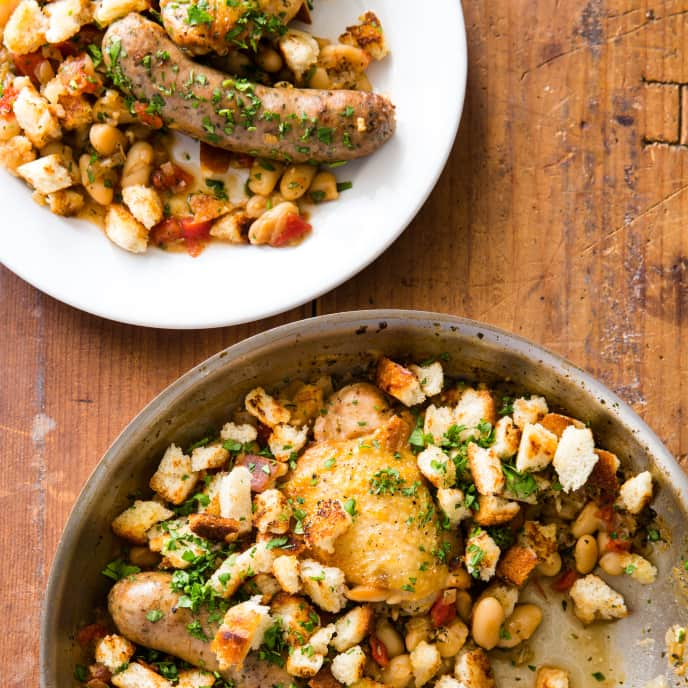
x,y
631,650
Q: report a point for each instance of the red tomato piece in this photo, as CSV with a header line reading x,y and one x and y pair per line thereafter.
x,y
565,581
28,65
293,228
166,232
152,120
608,515
89,634
378,651
9,95
618,545
171,177
442,613
195,230
79,75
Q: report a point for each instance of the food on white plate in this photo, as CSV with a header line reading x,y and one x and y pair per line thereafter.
x,y
91,92
380,533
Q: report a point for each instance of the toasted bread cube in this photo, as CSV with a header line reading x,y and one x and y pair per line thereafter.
x,y
242,630
636,492
108,11
575,457
47,174
138,676
123,229
195,678
542,539
474,406
173,541
211,456
266,409
234,570
425,662
324,585
144,204
271,512
16,152
307,401
507,438
367,35
267,585
536,449
320,640
65,19
486,469
472,668
329,522
232,227
35,117
213,527
451,501
594,599
133,523
551,677
286,570
113,651
431,377
234,495
506,595
9,127
174,480
447,681
556,423
603,477
300,50
437,421
529,410
399,382
241,433
74,112
25,29
482,554
348,666
65,202
517,563
304,662
295,614
437,467
286,440
494,511
352,628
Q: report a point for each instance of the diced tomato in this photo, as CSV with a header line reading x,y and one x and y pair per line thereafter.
x,y
195,230
293,228
152,120
88,634
28,65
565,581
619,545
9,95
214,159
607,514
171,177
378,651
79,75
166,232
442,613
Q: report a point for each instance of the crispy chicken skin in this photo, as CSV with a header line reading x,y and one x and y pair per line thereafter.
x,y
395,529
218,26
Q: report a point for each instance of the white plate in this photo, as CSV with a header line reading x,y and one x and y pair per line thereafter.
x,y
425,76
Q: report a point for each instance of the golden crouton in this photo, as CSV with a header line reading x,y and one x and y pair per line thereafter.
x,y
65,202
431,377
266,409
237,432
195,678
603,481
300,50
348,666
352,628
65,19
486,469
472,668
286,441
551,677
25,29
437,467
328,523
143,203
399,382
304,662
367,35
425,662
242,630
594,599
271,512
286,570
451,502
16,152
114,651
494,511
35,116
108,11
232,227
206,458
174,480
174,540
529,410
474,406
541,539
557,423
74,112
295,615
324,585
437,421
137,675
482,554
636,492
536,449
134,523
48,174
234,495
123,229
214,527
306,403
516,564
507,438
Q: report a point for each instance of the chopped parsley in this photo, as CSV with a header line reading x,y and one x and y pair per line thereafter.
x,y
81,673
598,676
350,506
277,542
118,569
274,645
521,484
154,615
218,188
344,186
198,14
195,630
386,481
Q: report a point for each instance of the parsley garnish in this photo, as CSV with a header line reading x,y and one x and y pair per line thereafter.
x,y
521,484
198,14
118,569
154,615
218,187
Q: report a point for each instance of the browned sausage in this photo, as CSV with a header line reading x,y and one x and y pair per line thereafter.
x,y
132,598
283,123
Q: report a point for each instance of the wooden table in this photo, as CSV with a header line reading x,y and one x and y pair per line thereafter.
x,y
561,216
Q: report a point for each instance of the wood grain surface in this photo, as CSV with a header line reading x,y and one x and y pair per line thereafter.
x,y
562,215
